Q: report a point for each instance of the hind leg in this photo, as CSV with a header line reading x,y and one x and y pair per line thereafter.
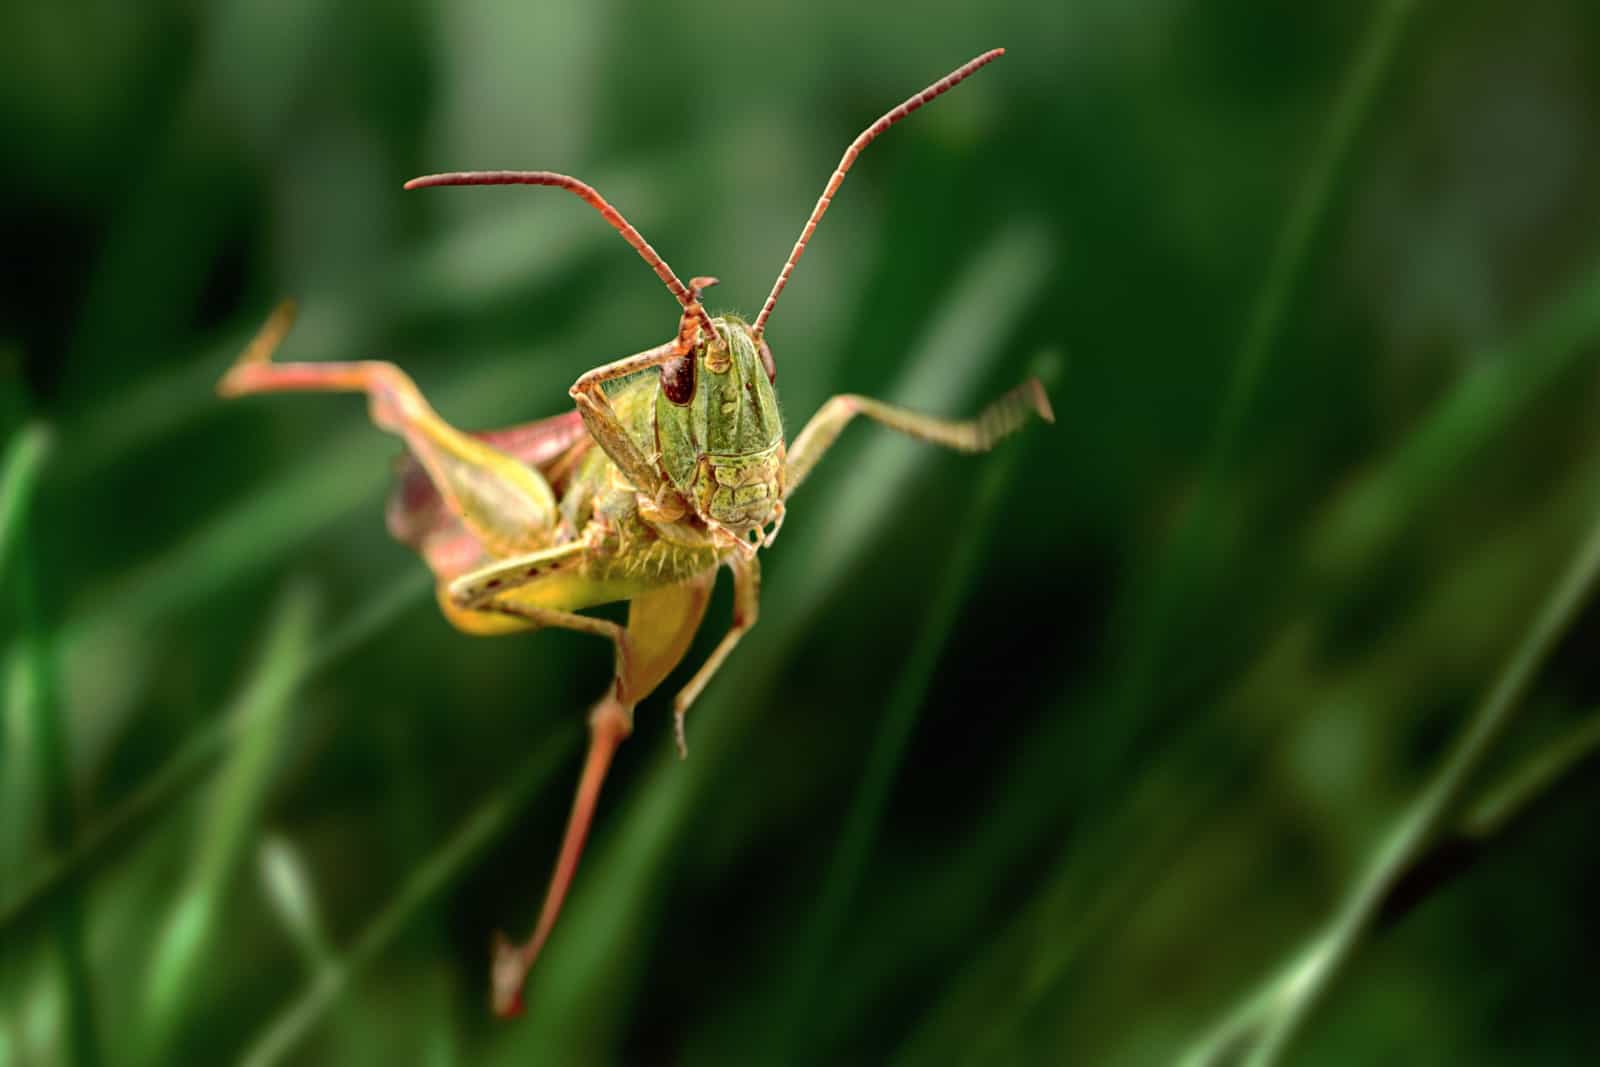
x,y
661,623
507,505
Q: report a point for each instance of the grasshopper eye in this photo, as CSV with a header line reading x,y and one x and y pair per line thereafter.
x,y
766,361
677,379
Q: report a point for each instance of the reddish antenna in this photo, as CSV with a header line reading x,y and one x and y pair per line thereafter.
x,y
949,81
588,195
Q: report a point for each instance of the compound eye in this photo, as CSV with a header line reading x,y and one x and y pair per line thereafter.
x,y
766,361
677,379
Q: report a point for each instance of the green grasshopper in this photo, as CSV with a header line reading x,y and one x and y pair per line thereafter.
x,y
642,494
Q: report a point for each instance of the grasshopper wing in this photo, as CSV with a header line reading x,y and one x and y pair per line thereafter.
x,y
417,514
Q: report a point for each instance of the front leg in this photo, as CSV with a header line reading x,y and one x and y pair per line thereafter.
x,y
607,429
1001,418
746,608
659,501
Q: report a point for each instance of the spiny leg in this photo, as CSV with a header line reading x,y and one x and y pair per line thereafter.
x,y
659,500
539,618
661,623
475,588
746,609
464,582
610,723
1001,418
607,429
506,504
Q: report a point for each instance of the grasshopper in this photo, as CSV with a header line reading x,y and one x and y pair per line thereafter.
x,y
642,493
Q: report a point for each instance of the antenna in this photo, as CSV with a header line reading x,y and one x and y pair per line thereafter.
x,y
588,195
949,81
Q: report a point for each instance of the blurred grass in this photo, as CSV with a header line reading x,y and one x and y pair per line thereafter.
x,y
19,473
35,702
856,838
492,818
1325,280
1047,948
1272,1018
1538,775
288,885
479,258
118,828
1501,390
221,845
1441,445
1191,549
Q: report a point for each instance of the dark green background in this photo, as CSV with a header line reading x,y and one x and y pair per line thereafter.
x,y
1051,755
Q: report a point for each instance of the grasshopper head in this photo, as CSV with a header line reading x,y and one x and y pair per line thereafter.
x,y
718,429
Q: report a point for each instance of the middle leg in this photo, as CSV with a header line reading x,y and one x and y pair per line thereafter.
x,y
746,608
657,496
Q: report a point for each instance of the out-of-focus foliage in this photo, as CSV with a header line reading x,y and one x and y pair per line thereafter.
x,y
1054,755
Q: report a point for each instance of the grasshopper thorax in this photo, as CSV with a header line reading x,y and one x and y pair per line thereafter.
x,y
718,431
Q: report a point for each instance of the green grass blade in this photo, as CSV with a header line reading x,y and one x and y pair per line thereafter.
x,y
1321,193
1183,560
481,258
883,762
40,697
1496,813
1502,803
288,890
1290,997
230,818
19,473
120,827
279,1037
1481,407
1096,879
1552,347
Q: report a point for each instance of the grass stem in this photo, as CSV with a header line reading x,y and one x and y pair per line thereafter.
x,y
120,827
1183,560
40,694
491,819
1264,1028
230,819
899,719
